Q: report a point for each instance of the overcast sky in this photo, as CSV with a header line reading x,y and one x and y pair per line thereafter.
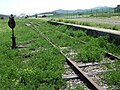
x,y
38,6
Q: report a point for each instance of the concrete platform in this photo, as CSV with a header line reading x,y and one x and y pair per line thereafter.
x,y
94,31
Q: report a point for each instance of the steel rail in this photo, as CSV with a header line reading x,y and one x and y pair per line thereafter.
x,y
90,83
83,76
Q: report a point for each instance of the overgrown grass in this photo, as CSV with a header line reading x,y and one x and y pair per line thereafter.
x,y
113,79
92,51
100,42
39,66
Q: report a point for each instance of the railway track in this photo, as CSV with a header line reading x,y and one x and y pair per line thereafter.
x,y
80,71
107,54
89,82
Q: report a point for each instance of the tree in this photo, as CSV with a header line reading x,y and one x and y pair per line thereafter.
x,y
2,18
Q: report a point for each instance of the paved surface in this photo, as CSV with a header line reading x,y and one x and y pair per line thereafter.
x,y
115,33
111,21
95,28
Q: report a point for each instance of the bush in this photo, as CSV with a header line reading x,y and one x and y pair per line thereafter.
x,y
2,18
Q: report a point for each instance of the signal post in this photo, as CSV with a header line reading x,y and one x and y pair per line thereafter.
x,y
11,24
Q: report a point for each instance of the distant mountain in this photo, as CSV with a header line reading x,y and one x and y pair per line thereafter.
x,y
61,11
101,7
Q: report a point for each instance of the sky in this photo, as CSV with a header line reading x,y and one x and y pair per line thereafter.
x,y
30,7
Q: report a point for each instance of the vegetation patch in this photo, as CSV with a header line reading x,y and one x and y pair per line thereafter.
x,y
40,65
23,69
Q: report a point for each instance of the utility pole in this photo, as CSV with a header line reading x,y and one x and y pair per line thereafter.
x,y
96,13
109,14
102,12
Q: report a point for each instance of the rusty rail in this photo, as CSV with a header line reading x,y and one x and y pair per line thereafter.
x,y
90,83
82,75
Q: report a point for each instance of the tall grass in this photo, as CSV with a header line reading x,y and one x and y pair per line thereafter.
x,y
39,66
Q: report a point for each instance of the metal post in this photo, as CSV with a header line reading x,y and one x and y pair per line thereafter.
x,y
13,40
11,24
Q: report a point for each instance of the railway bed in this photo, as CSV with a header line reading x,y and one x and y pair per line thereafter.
x,y
107,54
90,83
82,75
